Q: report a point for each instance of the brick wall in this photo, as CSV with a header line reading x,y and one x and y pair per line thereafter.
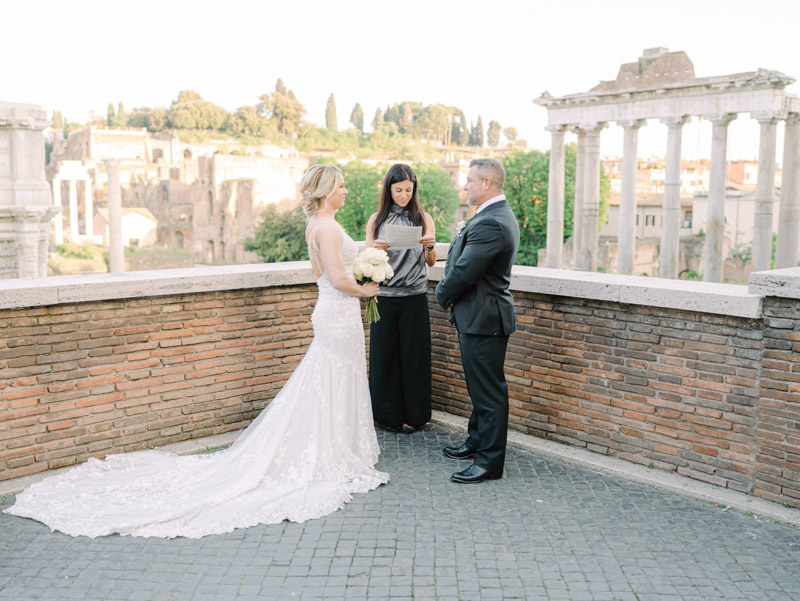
x,y
778,433
713,397
675,390
80,380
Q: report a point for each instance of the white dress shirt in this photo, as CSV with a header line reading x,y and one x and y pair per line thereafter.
x,y
491,201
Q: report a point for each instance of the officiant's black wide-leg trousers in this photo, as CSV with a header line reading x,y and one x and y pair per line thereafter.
x,y
400,361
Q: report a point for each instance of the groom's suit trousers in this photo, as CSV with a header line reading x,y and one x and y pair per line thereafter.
x,y
483,358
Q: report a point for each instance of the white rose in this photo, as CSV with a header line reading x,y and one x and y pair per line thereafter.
x,y
378,275
374,254
367,269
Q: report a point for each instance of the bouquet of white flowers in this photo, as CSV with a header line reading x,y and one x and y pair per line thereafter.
x,y
372,265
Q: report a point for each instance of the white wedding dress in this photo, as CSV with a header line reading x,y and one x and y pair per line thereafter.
x,y
302,458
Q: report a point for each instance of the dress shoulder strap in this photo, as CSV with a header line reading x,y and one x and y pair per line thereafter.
x,y
314,234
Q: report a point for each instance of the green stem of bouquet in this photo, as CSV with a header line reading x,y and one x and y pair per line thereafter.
x,y
371,314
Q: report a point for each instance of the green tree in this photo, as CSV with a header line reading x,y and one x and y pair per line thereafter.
x,y
459,132
410,112
526,191
110,114
511,135
282,109
377,120
330,115
526,188
363,183
493,133
279,236
437,196
476,133
357,118
247,120
190,111
158,120
433,122
121,120
463,133
58,120
392,115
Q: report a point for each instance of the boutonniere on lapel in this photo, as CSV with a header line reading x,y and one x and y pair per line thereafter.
x,y
460,227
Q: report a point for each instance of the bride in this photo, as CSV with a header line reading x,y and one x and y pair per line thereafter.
x,y
302,458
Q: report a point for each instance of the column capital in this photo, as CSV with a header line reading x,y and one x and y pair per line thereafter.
x,y
721,118
766,117
556,129
631,123
792,119
675,121
592,128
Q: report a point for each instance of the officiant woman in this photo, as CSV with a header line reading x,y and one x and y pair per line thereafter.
x,y
400,343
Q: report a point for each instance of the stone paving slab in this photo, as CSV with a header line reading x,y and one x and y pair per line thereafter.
x,y
548,530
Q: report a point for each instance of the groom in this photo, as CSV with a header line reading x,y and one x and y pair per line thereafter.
x,y
475,289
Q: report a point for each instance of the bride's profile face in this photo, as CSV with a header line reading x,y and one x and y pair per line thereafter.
x,y
336,199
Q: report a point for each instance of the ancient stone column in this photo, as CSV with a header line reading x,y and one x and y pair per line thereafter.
x,y
765,193
116,257
44,241
59,220
555,199
73,212
577,206
627,201
591,197
789,222
670,233
26,203
715,221
88,209
27,221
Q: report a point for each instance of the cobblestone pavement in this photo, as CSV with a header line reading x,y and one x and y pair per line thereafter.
x,y
545,531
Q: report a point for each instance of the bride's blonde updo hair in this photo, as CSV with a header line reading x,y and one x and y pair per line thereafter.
x,y
318,183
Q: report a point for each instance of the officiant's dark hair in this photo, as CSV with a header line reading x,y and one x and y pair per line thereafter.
x,y
398,173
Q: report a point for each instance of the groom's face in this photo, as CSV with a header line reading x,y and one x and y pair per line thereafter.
x,y
476,187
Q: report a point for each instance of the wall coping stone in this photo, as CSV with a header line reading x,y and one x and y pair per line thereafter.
x,y
783,283
55,290
684,295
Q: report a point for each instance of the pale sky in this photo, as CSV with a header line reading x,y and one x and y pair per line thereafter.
x,y
488,58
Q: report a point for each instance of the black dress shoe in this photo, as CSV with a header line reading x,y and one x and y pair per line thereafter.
x,y
462,452
474,474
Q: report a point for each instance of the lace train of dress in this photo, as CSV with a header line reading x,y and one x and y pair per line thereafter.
x,y
302,458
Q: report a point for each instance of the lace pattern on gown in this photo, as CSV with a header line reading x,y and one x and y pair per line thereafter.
x,y
302,458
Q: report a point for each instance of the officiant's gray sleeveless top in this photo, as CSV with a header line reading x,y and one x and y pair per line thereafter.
x,y
410,270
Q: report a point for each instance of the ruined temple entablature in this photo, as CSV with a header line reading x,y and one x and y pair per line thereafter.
x,y
662,86
656,66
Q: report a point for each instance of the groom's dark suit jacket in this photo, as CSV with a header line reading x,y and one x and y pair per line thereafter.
x,y
478,273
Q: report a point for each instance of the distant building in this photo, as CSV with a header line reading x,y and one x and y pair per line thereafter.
x,y
204,196
740,208
139,226
649,217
